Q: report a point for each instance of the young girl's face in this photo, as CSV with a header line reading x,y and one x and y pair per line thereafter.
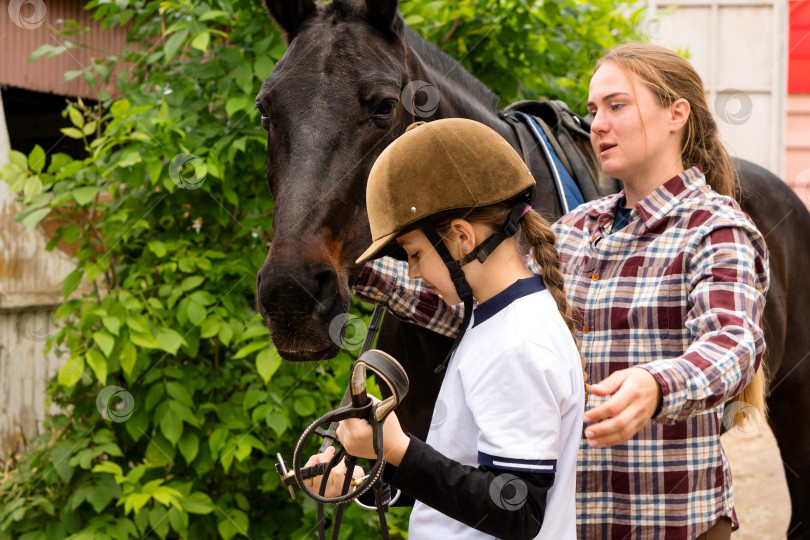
x,y
631,131
425,262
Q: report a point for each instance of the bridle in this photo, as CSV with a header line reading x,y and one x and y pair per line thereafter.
x,y
355,404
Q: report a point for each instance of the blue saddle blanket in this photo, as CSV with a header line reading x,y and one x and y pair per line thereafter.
x,y
570,196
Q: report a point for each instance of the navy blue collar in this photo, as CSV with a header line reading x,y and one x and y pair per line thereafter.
x,y
519,289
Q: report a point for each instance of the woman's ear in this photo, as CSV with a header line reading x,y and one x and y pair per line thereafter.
x,y
679,114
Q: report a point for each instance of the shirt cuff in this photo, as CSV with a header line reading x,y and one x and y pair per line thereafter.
x,y
672,378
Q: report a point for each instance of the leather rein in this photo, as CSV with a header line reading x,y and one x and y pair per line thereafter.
x,y
355,404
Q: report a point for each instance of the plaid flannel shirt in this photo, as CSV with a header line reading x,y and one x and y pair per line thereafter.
x,y
678,292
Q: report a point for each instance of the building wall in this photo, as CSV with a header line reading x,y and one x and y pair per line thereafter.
x,y
22,32
739,49
797,149
30,291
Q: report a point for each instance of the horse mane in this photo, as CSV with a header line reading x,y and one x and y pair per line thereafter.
x,y
451,68
431,54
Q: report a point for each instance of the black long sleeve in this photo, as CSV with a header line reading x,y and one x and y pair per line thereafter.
x,y
502,503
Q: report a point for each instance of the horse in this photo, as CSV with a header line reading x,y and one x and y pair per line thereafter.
x,y
332,104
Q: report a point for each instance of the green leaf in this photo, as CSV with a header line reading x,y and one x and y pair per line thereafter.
x,y
72,132
179,521
172,428
71,282
158,520
135,501
169,340
200,41
120,107
267,362
198,503
189,445
76,117
196,312
304,405
105,341
191,282
33,187
19,159
113,324
174,43
225,334
98,364
236,103
236,522
84,195
36,159
108,467
209,327
128,357
71,372
249,349
179,392
157,247
263,66
244,78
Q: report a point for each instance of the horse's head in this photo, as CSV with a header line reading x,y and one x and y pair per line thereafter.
x,y
330,107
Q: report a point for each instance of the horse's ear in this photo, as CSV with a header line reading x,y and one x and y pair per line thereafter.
x,y
289,15
384,16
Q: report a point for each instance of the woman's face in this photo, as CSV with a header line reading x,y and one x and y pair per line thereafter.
x,y
425,262
631,132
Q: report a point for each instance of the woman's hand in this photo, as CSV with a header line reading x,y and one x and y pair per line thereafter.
x,y
356,436
636,396
336,476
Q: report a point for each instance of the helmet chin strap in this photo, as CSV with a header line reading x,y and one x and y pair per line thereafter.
x,y
481,252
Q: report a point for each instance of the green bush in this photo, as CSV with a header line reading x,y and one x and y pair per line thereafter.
x,y
174,399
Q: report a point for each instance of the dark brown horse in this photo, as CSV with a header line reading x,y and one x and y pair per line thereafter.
x,y
331,105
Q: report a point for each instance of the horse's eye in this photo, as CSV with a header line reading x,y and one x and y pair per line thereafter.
x,y
386,108
265,118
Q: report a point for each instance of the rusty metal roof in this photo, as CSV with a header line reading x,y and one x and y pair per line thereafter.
x,y
25,25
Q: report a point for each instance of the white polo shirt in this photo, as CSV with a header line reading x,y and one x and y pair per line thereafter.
x,y
512,399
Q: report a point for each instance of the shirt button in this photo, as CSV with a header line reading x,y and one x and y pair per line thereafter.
x,y
595,276
586,329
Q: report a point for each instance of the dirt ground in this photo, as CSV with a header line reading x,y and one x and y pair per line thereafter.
x,y
760,493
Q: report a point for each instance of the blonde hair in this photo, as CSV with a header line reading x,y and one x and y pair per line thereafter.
x,y
670,77
534,232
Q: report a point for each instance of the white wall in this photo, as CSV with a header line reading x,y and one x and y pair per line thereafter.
x,y
739,49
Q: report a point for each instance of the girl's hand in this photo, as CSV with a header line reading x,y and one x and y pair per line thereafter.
x,y
636,395
336,476
356,436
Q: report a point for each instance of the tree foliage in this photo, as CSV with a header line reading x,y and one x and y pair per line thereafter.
x,y
174,400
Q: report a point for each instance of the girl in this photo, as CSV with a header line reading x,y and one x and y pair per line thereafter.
x,y
668,281
500,457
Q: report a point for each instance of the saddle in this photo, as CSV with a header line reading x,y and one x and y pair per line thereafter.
x,y
569,135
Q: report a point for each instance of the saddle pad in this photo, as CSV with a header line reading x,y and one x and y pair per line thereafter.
x,y
570,195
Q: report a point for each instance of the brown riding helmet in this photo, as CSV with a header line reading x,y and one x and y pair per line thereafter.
x,y
433,167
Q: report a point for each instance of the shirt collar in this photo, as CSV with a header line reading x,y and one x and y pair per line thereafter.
x,y
520,288
661,201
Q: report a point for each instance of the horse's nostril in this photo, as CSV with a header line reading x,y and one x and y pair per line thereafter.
x,y
327,290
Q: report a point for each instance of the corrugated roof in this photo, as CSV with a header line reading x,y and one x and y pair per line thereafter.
x,y
25,25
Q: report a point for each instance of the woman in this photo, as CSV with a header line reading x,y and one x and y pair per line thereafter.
x,y
667,280
453,193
